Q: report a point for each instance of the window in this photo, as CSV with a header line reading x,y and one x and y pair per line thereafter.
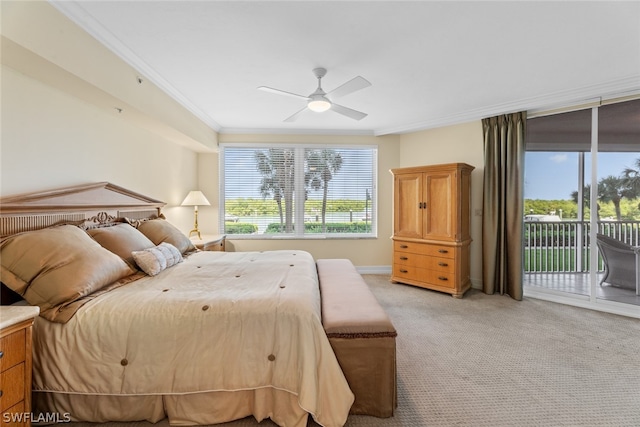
x,y
298,191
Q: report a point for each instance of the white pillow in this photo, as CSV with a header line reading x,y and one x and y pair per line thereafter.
x,y
153,260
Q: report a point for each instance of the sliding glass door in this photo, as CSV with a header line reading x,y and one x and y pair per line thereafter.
x,y
581,180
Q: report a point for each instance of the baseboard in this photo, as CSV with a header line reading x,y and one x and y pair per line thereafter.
x,y
374,269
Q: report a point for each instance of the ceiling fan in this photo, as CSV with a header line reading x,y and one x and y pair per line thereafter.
x,y
320,100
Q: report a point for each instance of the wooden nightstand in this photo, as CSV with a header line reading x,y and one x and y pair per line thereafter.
x,y
210,242
15,363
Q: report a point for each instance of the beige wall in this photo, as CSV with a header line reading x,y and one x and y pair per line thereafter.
x,y
453,144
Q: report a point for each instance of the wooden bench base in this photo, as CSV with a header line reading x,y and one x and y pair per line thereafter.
x,y
361,335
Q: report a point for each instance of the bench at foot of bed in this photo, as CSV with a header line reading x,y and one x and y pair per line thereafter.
x,y
361,335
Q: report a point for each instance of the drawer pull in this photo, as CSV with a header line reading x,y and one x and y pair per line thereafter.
x,y
404,246
443,278
404,271
443,251
404,258
1,354
443,264
0,393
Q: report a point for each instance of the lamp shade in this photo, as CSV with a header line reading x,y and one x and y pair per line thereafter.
x,y
195,198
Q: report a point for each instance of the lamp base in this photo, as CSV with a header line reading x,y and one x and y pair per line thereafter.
x,y
196,232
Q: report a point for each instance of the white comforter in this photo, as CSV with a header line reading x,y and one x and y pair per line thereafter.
x,y
219,321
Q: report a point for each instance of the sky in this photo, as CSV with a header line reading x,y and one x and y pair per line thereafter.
x,y
554,175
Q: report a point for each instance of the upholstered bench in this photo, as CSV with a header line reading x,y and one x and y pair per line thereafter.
x,y
361,335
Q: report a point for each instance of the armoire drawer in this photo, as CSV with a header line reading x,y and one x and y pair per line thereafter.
x,y
425,261
424,249
423,275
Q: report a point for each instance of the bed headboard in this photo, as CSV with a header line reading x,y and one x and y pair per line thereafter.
x,y
84,205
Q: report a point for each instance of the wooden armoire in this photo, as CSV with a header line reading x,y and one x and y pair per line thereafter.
x,y
431,227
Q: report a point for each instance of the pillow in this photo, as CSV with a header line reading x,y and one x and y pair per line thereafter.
x,y
160,230
121,239
153,260
55,266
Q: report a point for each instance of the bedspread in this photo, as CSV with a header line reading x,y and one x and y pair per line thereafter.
x,y
219,321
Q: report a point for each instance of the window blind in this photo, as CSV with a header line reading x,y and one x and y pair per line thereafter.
x,y
298,191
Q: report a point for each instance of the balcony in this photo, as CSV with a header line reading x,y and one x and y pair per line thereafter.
x,y
557,256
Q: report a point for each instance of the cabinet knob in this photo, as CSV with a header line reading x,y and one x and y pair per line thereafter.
x,y
443,264
443,251
1,354
404,258
442,278
1,393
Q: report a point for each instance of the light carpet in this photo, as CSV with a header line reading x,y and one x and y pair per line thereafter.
x,y
488,360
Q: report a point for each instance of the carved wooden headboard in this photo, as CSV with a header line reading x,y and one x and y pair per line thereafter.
x,y
97,203
89,205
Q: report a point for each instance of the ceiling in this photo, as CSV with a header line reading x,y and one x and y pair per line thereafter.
x,y
430,63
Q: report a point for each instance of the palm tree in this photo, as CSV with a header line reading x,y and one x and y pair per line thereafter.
x,y
277,168
631,178
613,189
586,197
322,166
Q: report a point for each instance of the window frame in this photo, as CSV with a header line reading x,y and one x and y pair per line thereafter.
x,y
298,208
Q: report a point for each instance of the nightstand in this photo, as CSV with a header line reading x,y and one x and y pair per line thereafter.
x,y
15,362
209,242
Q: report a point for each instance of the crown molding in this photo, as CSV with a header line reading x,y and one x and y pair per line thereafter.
x,y
89,24
279,131
612,89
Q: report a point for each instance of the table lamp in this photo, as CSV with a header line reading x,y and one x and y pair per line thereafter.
x,y
195,198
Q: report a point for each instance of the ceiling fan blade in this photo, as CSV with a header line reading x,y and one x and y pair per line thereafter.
x,y
356,115
281,92
351,86
294,116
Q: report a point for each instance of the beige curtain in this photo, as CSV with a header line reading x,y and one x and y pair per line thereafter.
x,y
502,268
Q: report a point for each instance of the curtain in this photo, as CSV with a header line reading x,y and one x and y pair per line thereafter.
x,y
502,260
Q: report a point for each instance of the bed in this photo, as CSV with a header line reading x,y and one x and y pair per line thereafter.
x,y
197,337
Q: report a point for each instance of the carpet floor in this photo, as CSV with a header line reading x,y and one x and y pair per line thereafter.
x,y
491,361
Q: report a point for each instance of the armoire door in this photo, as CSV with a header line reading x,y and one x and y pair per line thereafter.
x,y
441,205
408,199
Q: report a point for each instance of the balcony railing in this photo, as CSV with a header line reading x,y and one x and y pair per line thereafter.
x,y
564,246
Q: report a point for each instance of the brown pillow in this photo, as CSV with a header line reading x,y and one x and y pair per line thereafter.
x,y
160,230
55,266
121,239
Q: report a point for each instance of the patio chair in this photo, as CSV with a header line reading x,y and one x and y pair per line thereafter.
x,y
621,263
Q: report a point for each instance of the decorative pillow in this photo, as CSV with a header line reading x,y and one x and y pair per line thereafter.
x,y
153,260
160,230
56,266
171,253
121,239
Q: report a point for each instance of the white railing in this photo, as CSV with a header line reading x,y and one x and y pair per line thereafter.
x,y
563,246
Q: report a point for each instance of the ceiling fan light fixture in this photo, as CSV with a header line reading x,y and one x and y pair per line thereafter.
x,y
319,104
